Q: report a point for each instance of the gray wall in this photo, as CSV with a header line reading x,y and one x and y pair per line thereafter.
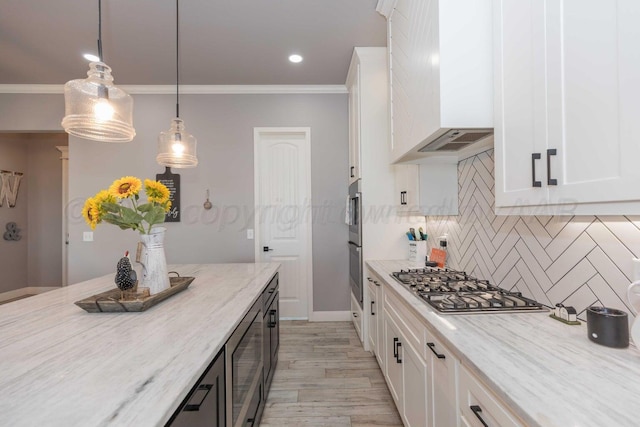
x,y
45,210
224,126
13,254
36,259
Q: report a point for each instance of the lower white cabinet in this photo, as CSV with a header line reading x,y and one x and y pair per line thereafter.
x,y
373,317
444,396
393,368
416,381
356,317
478,406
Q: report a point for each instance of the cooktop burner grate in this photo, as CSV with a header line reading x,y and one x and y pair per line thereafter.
x,y
450,291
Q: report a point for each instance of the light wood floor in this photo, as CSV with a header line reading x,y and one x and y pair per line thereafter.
x,y
325,378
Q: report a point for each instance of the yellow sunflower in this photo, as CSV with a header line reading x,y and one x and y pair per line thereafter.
x,y
125,187
156,191
103,196
91,213
167,206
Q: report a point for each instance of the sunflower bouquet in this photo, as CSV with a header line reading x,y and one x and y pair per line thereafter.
x,y
109,205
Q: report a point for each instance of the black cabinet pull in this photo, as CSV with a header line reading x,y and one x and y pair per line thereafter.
x,y
372,313
376,283
352,169
395,348
534,157
477,411
272,319
403,197
272,290
550,152
194,407
432,348
355,314
398,360
370,279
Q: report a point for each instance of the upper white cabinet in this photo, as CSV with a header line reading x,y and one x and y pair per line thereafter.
x,y
441,73
567,116
353,85
429,188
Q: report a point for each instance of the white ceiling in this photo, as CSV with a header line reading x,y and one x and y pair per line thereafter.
x,y
222,42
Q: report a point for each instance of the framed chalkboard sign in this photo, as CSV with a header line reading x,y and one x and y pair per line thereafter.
x,y
172,181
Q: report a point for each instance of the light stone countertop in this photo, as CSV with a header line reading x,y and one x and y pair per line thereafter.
x,y
549,374
62,366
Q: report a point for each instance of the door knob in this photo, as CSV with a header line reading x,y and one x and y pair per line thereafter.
x,y
266,249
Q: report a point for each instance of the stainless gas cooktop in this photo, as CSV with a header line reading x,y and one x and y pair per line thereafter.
x,y
450,291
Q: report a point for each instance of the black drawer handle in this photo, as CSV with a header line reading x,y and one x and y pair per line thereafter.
x,y
352,169
372,313
398,360
403,197
432,348
395,348
193,407
534,157
355,314
477,411
272,319
550,152
370,279
376,283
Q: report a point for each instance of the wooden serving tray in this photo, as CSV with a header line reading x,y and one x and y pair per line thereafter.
x,y
111,302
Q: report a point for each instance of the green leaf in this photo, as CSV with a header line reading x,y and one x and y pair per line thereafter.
x,y
145,207
155,216
111,207
130,216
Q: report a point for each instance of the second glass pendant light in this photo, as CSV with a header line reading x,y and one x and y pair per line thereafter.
x,y
177,147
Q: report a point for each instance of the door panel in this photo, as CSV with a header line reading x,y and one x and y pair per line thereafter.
x,y
283,220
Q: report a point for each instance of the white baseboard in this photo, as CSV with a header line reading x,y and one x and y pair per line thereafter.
x,y
330,316
29,290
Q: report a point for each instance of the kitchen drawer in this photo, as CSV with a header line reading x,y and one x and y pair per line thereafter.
x,y
478,402
444,395
412,327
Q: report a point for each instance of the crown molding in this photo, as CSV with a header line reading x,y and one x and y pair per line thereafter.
x,y
385,7
191,89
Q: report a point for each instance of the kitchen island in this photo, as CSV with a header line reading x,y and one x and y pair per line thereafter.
x,y
545,372
62,366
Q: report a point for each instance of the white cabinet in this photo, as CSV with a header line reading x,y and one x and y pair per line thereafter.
x,y
353,85
356,317
407,370
566,109
441,70
407,185
373,317
416,382
393,368
478,406
428,188
444,395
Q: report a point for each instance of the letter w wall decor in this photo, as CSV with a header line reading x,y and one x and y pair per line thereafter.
x,y
8,191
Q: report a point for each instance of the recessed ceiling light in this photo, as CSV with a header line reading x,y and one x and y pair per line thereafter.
x,y
91,57
295,58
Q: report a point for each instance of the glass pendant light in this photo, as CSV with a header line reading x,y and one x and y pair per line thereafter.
x,y
177,147
95,108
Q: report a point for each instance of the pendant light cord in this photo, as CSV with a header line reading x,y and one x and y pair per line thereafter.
x,y
100,30
177,60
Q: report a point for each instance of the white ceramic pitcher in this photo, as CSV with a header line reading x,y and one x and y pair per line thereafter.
x,y
633,294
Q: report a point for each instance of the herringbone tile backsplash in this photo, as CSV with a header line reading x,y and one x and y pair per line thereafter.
x,y
577,260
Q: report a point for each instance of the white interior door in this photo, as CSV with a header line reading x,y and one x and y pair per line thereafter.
x,y
283,213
